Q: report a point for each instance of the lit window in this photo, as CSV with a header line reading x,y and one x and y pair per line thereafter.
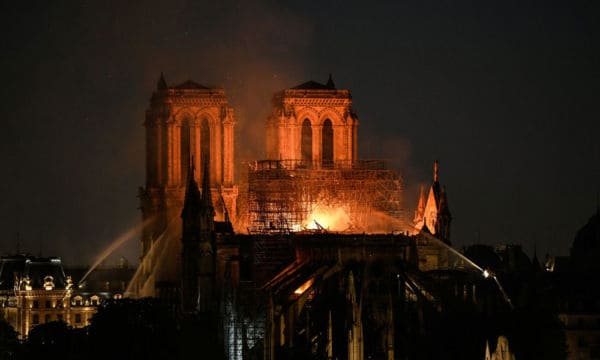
x,y
78,318
36,304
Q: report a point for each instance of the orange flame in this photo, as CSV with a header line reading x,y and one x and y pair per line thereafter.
x,y
330,218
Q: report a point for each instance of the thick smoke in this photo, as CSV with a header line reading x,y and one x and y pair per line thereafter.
x,y
82,136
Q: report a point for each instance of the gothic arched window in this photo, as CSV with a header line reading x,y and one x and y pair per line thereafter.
x,y
204,144
185,148
306,143
327,145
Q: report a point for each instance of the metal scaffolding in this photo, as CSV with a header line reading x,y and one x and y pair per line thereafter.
x,y
283,193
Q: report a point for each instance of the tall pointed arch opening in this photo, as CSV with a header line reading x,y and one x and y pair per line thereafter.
x,y
306,142
327,144
184,148
204,143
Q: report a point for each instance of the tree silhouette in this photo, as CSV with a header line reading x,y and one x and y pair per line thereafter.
x,y
133,329
9,342
51,340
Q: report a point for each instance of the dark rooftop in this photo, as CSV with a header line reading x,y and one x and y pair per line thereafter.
x,y
313,85
33,267
190,85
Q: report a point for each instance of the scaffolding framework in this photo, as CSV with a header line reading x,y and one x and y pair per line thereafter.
x,y
283,193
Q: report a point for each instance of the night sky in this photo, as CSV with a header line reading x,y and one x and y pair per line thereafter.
x,y
504,93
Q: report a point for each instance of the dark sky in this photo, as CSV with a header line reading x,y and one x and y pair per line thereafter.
x,y
504,93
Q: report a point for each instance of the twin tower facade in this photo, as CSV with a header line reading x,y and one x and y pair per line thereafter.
x,y
311,125
311,166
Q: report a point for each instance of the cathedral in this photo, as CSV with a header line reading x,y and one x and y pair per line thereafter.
x,y
319,260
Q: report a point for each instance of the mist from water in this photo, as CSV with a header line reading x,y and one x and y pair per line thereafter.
x,y
120,240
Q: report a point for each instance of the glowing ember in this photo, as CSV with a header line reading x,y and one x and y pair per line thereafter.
x,y
328,217
303,287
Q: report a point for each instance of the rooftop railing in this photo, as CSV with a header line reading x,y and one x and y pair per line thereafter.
x,y
317,165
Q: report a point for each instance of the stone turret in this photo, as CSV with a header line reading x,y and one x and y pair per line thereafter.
x,y
432,211
198,250
420,212
161,84
190,244
207,254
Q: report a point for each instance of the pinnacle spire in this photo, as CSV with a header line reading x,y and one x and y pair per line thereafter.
x,y
421,205
436,167
225,212
420,212
161,84
192,194
330,84
206,198
443,208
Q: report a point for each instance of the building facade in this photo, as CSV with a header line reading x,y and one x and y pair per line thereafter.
x,y
313,124
262,286
186,124
36,290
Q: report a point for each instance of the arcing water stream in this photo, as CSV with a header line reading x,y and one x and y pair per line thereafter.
x,y
484,272
120,240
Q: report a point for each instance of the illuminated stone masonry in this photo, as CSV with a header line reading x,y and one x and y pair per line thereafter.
x,y
312,123
185,124
36,290
313,178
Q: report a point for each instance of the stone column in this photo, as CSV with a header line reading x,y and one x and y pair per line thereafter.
x,y
158,154
228,150
177,155
285,140
281,155
317,145
355,140
197,153
349,132
216,160
339,142
150,152
292,137
297,131
170,154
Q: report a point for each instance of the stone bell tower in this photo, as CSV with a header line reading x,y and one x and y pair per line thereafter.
x,y
185,123
313,125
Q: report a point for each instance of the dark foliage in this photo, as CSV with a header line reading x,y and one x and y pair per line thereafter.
x,y
52,340
8,341
133,329
536,333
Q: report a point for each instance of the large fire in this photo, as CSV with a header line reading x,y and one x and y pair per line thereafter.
x,y
329,218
